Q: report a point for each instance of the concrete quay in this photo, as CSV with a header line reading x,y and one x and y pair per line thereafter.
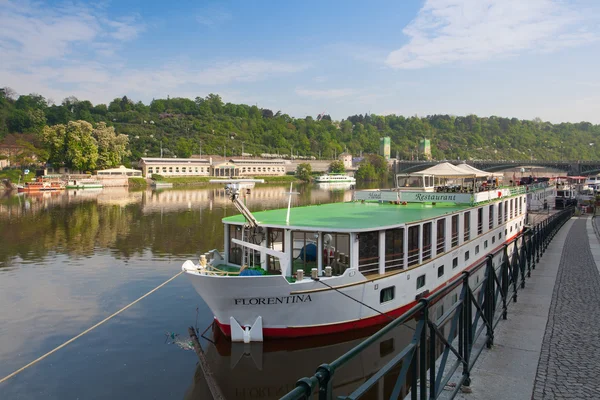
x,y
549,346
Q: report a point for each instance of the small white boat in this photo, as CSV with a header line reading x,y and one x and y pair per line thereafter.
x,y
161,185
84,184
335,178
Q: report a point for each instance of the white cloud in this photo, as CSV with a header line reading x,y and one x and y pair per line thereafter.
x,y
74,50
325,93
447,31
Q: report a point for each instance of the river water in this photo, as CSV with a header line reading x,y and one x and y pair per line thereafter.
x,y
68,260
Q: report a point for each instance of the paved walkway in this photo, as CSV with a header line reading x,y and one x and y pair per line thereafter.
x,y
549,347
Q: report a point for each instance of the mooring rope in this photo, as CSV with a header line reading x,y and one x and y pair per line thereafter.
x,y
87,330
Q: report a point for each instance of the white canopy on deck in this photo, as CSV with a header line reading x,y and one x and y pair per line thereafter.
x,y
446,170
478,173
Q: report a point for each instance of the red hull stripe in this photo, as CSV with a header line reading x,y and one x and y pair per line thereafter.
x,y
294,332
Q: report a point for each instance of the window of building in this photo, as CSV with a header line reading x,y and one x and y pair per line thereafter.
x,y
164,169
420,281
183,169
467,255
454,262
440,271
387,294
176,169
170,169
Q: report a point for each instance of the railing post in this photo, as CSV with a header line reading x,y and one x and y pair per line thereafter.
x,y
324,375
423,353
433,389
490,301
538,242
504,273
523,261
514,269
467,328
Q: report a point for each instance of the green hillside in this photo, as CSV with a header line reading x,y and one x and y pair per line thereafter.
x,y
183,127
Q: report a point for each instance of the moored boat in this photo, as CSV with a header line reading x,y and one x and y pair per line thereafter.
x,y
84,184
335,178
40,185
328,268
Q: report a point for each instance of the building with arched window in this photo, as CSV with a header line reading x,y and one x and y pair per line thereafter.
x,y
203,167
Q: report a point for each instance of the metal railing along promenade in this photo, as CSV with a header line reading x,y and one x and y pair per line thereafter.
x,y
472,318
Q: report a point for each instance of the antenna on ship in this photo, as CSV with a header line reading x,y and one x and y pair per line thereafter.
x,y
290,193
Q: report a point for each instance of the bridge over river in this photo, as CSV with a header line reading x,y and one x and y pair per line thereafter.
x,y
570,167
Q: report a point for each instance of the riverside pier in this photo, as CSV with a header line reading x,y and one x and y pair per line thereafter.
x,y
527,331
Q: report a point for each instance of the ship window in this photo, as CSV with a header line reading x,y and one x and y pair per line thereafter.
x,y
454,262
386,347
275,241
420,281
413,245
440,311
480,220
454,298
426,241
387,294
493,239
235,250
485,244
454,230
506,210
394,249
477,249
500,235
491,217
440,271
499,213
467,226
304,251
368,252
441,235
467,255
336,251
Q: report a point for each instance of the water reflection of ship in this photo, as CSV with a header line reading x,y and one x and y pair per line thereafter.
x,y
335,185
269,370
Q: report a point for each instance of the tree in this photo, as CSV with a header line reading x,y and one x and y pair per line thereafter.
x,y
303,171
366,172
72,145
337,167
112,148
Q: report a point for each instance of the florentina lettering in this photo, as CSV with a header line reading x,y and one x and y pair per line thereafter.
x,y
273,300
435,197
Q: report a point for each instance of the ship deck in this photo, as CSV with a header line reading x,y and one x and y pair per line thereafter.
x,y
350,216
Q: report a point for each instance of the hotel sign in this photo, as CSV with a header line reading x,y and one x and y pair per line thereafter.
x,y
376,195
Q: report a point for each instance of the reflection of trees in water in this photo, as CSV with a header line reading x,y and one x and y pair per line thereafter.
x,y
32,227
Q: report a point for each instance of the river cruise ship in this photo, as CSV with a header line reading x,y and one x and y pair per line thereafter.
x,y
328,268
335,178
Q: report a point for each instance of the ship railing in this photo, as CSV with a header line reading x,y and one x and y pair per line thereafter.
x,y
467,234
368,264
438,361
455,239
413,257
441,244
480,228
426,252
394,261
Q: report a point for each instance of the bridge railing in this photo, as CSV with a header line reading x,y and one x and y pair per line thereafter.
x,y
473,319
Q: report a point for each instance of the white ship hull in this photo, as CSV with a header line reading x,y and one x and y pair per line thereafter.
x,y
309,307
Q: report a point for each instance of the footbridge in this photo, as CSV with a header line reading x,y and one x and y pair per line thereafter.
x,y
569,167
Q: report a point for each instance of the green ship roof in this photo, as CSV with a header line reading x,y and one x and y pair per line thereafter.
x,y
351,216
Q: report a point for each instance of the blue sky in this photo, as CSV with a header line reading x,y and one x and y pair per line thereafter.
x,y
513,58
